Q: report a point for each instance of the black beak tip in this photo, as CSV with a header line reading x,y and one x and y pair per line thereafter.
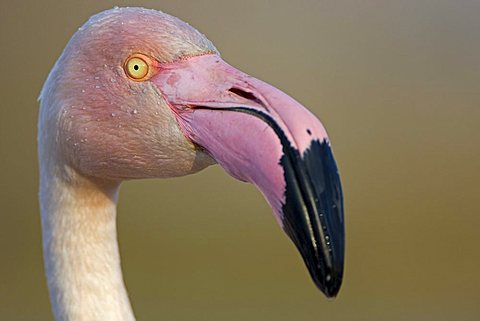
x,y
327,279
329,285
326,270
313,214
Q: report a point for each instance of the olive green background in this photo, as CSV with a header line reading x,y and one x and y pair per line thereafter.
x,y
396,83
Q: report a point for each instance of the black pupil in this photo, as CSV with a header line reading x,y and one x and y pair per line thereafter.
x,y
135,67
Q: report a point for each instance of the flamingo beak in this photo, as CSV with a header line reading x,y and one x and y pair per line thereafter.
x,y
260,135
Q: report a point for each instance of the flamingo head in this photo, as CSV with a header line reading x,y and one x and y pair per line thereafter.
x,y
138,93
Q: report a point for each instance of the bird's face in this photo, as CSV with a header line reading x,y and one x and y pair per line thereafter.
x,y
112,119
138,93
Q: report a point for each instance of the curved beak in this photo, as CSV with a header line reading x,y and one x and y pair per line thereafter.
x,y
260,135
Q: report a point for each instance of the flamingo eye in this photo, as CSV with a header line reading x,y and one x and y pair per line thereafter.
x,y
136,68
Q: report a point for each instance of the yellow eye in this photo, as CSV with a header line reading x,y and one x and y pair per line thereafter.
x,y
136,68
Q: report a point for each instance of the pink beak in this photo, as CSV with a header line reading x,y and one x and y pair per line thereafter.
x,y
260,135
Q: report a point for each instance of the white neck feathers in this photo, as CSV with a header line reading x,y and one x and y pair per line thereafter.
x,y
80,247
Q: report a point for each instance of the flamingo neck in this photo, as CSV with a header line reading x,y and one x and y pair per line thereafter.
x,y
80,247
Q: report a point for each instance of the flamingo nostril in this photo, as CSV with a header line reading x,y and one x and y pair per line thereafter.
x,y
247,95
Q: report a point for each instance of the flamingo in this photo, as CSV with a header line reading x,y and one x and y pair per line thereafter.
x,y
138,93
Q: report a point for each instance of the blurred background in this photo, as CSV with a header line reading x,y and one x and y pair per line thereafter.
x,y
396,83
